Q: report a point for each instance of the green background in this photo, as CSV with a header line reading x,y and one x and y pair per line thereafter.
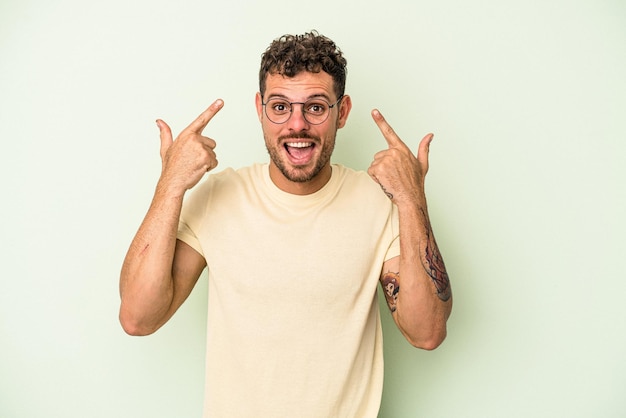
x,y
527,101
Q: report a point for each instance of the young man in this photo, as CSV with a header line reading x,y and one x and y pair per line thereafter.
x,y
294,250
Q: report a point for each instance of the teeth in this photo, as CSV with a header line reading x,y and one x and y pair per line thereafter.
x,y
298,144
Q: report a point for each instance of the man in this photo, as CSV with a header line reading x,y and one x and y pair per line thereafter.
x,y
294,250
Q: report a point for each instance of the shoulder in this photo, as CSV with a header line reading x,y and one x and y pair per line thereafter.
x,y
357,180
230,177
357,189
222,186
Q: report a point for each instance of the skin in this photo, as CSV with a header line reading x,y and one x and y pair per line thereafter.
x,y
311,174
416,284
160,271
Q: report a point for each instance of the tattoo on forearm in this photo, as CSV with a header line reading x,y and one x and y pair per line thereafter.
x,y
391,287
434,265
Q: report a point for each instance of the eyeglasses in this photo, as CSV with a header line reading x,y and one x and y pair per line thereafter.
x,y
315,111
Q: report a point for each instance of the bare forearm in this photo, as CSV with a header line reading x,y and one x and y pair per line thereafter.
x,y
146,285
424,301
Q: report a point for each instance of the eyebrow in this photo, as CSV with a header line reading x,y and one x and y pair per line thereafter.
x,y
313,96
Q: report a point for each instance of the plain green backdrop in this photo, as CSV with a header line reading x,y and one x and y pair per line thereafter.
x,y
527,101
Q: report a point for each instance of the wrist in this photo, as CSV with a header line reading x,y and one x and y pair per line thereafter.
x,y
411,201
166,188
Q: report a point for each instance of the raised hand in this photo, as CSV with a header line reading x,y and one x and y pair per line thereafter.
x,y
186,159
397,170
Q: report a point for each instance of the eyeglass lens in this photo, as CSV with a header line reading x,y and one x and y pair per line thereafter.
x,y
315,111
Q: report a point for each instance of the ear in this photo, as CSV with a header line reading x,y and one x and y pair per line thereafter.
x,y
344,110
258,101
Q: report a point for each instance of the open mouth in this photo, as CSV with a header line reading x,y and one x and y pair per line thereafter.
x,y
300,152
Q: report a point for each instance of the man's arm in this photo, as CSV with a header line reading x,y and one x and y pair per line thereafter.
x,y
160,271
416,283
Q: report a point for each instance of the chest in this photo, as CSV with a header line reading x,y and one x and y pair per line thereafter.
x,y
325,254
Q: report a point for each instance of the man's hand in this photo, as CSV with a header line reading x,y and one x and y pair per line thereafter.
x,y
398,172
191,155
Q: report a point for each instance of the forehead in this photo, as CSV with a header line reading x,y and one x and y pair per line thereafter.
x,y
301,86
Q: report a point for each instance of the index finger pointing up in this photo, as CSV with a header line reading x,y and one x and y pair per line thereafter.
x,y
205,117
392,139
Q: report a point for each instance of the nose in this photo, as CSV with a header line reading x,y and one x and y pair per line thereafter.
x,y
297,122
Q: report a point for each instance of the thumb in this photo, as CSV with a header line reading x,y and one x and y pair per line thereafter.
x,y
166,137
423,150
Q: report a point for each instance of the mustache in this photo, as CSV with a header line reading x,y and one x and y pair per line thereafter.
x,y
299,135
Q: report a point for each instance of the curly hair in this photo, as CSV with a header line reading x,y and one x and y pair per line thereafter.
x,y
289,55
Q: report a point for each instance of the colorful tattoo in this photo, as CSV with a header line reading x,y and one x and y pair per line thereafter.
x,y
434,265
391,287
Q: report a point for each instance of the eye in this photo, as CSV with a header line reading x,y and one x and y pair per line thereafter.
x,y
316,108
279,107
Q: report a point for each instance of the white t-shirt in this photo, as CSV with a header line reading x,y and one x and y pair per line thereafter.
x,y
293,321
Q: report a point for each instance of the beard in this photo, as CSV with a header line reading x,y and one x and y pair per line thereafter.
x,y
299,173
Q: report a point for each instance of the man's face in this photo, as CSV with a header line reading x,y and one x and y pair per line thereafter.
x,y
300,151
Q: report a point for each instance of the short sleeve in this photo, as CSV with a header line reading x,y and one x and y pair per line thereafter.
x,y
186,235
394,248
